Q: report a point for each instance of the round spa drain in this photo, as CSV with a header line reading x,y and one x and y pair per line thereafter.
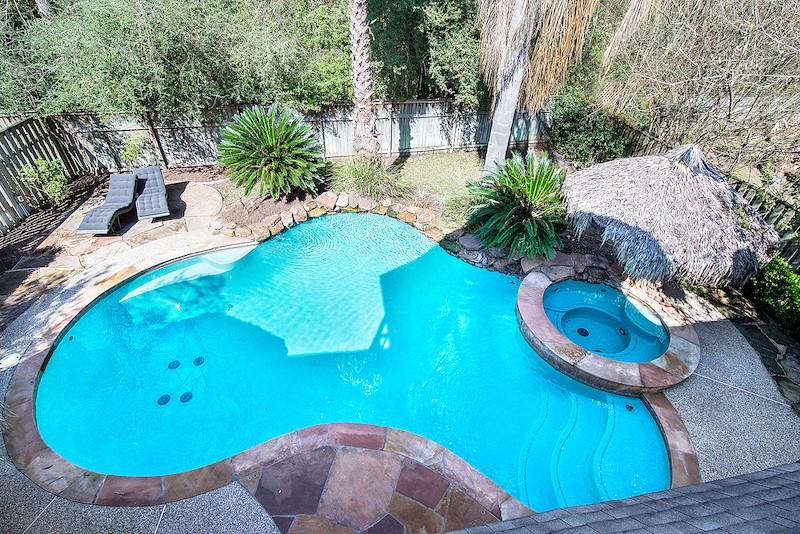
x,y
583,332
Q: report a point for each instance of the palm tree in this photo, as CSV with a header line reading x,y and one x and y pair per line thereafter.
x,y
527,46
365,142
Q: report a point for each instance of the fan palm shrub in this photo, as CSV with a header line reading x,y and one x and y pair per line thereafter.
x,y
273,149
519,207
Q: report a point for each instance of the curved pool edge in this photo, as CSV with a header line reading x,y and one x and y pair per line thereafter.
x,y
627,378
54,474
46,468
683,462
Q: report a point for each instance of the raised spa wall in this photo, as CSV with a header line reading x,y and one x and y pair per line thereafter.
x,y
676,364
479,498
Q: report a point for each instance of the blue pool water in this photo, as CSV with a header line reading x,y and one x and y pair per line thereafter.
x,y
603,320
354,318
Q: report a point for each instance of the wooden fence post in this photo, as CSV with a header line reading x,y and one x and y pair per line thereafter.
x,y
390,111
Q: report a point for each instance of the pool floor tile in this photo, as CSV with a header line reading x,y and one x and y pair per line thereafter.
x,y
205,479
130,491
420,449
294,486
463,512
314,524
283,522
356,435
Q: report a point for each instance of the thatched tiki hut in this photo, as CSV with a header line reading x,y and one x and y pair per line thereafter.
x,y
670,216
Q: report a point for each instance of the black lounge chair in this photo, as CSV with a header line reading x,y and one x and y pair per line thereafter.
x,y
119,200
152,201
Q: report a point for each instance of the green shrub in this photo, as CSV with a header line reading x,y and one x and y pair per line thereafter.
x,y
776,290
585,134
519,207
47,178
370,177
272,148
132,148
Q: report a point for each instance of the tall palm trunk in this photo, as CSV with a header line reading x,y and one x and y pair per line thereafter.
x,y
507,91
526,48
365,141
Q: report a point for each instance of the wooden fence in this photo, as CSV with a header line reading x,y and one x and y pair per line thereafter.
x,y
87,143
784,216
403,128
22,143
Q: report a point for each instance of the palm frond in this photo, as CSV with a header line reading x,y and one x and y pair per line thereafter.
x,y
272,149
549,32
635,16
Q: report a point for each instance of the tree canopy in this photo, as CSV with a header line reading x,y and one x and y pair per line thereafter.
x,y
184,56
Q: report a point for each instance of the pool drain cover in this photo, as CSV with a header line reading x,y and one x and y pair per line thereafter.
x,y
622,331
199,360
174,364
186,397
163,399
583,332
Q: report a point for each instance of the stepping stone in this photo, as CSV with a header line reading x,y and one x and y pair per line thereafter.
x,y
294,486
360,487
387,525
421,484
470,242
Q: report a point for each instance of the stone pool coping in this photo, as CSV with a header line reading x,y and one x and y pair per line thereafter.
x,y
628,378
53,473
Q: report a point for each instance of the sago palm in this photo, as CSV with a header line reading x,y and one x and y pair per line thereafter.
x,y
273,149
519,207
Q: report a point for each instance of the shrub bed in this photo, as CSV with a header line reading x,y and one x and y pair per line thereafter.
x,y
776,290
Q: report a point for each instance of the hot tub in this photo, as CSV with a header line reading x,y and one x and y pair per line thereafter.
x,y
605,321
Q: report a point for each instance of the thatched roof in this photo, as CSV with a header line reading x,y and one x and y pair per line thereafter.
x,y
670,216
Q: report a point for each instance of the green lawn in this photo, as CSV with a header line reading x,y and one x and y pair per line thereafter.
x,y
442,178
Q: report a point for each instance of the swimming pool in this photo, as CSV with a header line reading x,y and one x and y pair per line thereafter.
x,y
350,317
603,320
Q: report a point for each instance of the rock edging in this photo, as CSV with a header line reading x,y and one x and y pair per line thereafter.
x,y
428,220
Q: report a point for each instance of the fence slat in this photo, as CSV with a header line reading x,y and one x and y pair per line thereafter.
x,y
22,142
